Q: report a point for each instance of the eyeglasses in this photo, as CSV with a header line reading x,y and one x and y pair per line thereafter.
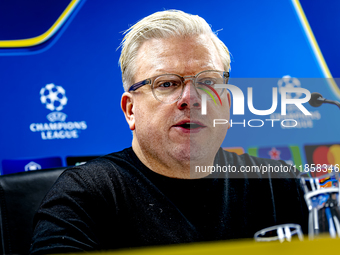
x,y
168,88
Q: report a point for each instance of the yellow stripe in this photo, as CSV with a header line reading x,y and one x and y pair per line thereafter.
x,y
45,36
315,47
248,247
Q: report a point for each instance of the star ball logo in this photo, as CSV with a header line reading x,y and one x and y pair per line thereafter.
x,y
54,98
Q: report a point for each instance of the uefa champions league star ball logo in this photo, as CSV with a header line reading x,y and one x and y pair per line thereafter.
x,y
290,82
53,96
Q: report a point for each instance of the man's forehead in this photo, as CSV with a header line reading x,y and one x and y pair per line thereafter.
x,y
178,55
181,44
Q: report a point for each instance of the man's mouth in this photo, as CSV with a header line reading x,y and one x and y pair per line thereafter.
x,y
190,125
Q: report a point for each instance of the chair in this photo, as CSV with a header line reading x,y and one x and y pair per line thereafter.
x,y
20,197
11,166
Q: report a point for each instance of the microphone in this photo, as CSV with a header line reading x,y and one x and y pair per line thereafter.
x,y
316,100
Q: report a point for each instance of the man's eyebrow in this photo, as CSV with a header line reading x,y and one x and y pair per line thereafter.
x,y
173,71
162,71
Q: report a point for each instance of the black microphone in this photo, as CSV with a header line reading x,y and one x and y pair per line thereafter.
x,y
316,100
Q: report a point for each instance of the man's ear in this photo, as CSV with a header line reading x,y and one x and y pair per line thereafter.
x,y
126,104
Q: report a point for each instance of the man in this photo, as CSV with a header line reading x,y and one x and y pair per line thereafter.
x,y
151,193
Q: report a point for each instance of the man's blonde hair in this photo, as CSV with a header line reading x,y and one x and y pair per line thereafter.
x,y
164,24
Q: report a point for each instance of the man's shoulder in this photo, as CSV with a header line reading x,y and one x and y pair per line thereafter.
x,y
107,166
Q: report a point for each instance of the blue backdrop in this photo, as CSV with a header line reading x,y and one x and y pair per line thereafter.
x,y
66,52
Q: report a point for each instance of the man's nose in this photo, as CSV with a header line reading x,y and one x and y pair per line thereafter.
x,y
190,97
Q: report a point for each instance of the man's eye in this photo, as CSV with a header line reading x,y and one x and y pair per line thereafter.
x,y
209,82
168,84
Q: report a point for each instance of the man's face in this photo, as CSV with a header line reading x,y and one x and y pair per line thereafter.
x,y
159,129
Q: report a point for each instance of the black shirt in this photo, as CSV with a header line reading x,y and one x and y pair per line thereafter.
x,y
116,202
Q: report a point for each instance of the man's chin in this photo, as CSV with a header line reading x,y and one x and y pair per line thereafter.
x,y
194,153
198,154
